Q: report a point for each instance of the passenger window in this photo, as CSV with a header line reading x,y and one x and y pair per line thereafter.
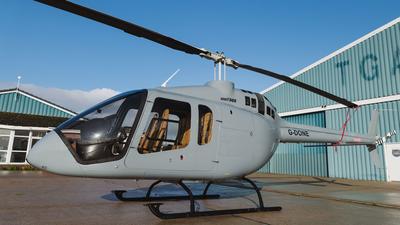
x,y
253,102
273,114
247,100
268,110
205,125
168,127
261,104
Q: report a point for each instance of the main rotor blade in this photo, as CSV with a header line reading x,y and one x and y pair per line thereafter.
x,y
123,25
299,84
139,31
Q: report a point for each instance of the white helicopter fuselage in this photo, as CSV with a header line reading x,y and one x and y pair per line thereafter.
x,y
242,141
242,133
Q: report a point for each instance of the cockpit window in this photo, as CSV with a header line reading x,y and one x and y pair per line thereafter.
x,y
103,132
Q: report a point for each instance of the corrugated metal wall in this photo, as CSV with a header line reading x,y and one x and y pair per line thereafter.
x,y
368,70
355,162
11,102
295,159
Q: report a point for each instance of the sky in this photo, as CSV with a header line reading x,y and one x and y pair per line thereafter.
x,y
76,62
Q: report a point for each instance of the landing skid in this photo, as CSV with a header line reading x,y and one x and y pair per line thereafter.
x,y
155,207
148,198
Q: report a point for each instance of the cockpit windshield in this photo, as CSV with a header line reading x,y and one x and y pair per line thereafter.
x,y
103,132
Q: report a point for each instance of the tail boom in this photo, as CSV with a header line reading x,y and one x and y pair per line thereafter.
x,y
297,133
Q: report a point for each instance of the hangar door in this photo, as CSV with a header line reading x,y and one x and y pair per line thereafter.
x,y
392,158
296,159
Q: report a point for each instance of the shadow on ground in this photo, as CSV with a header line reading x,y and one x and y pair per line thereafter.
x,y
227,189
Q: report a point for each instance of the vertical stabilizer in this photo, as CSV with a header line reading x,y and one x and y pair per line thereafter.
x,y
373,132
373,125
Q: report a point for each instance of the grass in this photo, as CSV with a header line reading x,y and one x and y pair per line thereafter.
x,y
17,168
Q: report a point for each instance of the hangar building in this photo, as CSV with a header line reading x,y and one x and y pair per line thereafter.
x,y
367,72
24,119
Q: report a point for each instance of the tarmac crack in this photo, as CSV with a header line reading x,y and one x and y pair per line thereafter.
x,y
250,219
242,217
56,206
300,194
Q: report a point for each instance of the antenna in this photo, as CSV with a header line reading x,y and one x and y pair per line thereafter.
x,y
18,84
172,76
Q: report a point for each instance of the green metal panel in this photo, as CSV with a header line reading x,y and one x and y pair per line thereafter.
x,y
354,162
295,158
18,103
367,70
370,69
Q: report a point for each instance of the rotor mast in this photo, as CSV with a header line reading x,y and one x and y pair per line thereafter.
x,y
221,60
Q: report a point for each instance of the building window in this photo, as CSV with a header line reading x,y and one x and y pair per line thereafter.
x,y
19,146
15,144
3,156
4,142
205,125
247,100
253,102
36,136
168,127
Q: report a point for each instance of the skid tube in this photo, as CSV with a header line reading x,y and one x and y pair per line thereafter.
x,y
148,198
155,207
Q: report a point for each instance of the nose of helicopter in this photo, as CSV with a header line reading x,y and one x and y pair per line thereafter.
x,y
51,154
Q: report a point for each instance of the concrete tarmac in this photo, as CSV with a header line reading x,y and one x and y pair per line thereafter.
x,y
42,198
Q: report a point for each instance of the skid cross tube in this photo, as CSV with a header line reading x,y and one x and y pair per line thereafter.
x,y
207,187
261,202
151,188
148,198
155,207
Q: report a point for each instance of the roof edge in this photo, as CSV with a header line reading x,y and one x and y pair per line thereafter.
x,y
335,53
44,101
370,101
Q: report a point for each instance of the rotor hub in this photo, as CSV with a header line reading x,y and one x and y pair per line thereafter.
x,y
221,60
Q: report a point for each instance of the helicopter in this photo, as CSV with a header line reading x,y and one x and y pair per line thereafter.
x,y
210,133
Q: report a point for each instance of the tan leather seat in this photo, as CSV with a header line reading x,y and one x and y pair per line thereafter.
x,y
162,130
156,129
184,137
205,128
